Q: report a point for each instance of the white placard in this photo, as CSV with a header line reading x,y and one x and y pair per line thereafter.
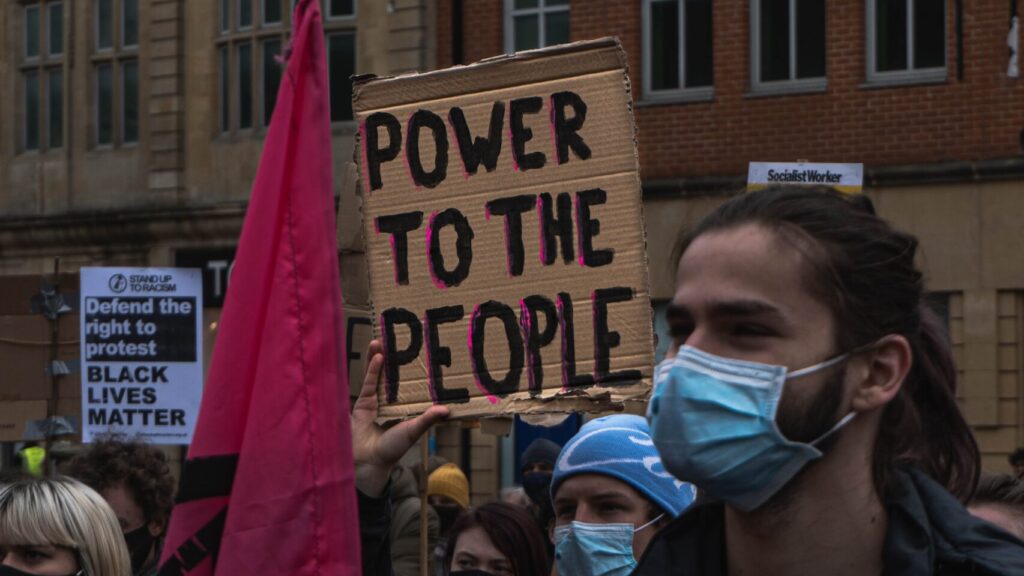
x,y
142,353
847,178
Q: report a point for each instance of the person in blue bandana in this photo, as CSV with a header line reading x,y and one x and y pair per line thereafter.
x,y
611,495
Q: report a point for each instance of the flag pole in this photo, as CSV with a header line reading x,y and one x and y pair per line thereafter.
x,y
424,553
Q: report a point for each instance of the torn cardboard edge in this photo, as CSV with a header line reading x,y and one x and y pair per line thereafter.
x,y
500,72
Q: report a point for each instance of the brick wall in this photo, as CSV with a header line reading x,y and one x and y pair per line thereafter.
x,y
979,117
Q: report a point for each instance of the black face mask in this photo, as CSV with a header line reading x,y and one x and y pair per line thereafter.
x,y
140,544
9,571
537,486
447,514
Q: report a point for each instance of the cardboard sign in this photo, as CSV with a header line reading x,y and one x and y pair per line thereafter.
x,y
848,178
504,234
142,359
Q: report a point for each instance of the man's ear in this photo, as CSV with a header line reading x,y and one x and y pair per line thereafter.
x,y
879,372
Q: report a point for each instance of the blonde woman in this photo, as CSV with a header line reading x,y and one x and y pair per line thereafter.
x,y
58,527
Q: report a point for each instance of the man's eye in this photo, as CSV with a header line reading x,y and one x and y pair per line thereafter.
x,y
751,330
466,563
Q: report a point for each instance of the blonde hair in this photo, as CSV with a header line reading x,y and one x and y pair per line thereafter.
x,y
64,512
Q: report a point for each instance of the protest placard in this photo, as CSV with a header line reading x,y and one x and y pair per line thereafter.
x,y
142,359
847,178
504,234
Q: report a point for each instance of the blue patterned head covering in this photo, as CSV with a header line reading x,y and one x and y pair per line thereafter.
x,y
620,446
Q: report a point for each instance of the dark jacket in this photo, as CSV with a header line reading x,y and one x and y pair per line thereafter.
x,y
405,524
374,533
930,532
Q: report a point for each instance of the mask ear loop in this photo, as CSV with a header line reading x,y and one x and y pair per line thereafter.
x,y
659,517
816,367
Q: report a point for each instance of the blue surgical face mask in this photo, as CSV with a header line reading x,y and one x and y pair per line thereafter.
x,y
713,422
584,549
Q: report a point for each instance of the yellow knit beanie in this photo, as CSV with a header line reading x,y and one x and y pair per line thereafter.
x,y
448,480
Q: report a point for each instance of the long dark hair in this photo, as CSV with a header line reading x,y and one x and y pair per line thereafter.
x,y
513,533
864,270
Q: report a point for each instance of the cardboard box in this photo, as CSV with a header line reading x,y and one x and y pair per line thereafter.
x,y
504,236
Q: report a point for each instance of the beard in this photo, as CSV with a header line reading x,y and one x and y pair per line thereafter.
x,y
806,421
809,419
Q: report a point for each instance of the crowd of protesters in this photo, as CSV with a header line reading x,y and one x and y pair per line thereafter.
x,y
804,422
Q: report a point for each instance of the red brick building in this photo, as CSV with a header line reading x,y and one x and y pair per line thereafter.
x,y
922,92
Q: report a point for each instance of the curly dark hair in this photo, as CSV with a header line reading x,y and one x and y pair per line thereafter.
x,y
141,468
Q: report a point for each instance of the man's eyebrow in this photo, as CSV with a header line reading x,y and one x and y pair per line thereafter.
x,y
743,308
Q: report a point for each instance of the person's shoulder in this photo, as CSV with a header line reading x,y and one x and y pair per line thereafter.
x,y
693,543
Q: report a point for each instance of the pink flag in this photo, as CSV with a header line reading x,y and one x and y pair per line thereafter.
x,y
268,487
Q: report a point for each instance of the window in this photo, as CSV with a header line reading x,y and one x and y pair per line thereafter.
x,y
115,64
41,91
251,39
341,57
677,49
787,48
535,24
906,41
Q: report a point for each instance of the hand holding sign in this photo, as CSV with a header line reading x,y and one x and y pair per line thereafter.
x,y
376,450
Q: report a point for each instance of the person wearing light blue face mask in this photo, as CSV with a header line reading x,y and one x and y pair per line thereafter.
x,y
811,396
611,495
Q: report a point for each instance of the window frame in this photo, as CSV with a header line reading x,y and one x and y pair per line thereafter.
x,y
49,42
116,56
792,85
343,18
228,98
542,10
911,75
43,66
683,93
355,65
121,43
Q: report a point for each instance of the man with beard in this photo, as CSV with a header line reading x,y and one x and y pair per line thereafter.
x,y
136,482
812,399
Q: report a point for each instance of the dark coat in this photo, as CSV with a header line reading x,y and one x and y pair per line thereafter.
x,y
930,533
